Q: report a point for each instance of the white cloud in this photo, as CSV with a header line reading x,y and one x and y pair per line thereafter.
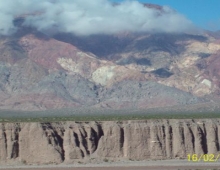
x,y
84,17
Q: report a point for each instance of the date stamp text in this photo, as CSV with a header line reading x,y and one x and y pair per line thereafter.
x,y
203,157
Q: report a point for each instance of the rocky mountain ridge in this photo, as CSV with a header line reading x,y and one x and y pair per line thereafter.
x,y
126,70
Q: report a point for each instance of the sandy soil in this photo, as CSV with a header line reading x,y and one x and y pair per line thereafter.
x,y
126,168
125,165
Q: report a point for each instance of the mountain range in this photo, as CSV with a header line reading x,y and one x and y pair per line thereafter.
x,y
40,71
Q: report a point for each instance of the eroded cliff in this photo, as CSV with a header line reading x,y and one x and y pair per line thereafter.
x,y
59,142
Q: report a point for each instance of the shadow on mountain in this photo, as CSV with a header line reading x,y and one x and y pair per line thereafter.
x,y
25,30
110,46
162,73
165,42
100,45
132,60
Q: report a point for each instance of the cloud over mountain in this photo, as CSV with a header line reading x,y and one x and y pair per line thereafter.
x,y
84,17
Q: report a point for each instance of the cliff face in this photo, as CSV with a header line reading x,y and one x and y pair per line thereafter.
x,y
137,140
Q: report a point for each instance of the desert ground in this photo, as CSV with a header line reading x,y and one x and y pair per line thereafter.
x,y
134,165
127,168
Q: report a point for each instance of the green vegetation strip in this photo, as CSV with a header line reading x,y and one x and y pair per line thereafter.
x,y
114,117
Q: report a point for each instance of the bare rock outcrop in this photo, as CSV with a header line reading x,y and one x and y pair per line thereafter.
x,y
44,143
38,144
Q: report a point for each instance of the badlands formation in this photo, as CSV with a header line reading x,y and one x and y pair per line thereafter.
x,y
73,142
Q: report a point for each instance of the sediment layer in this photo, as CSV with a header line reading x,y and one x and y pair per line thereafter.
x,y
59,142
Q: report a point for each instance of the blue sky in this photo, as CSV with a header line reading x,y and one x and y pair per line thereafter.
x,y
203,13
